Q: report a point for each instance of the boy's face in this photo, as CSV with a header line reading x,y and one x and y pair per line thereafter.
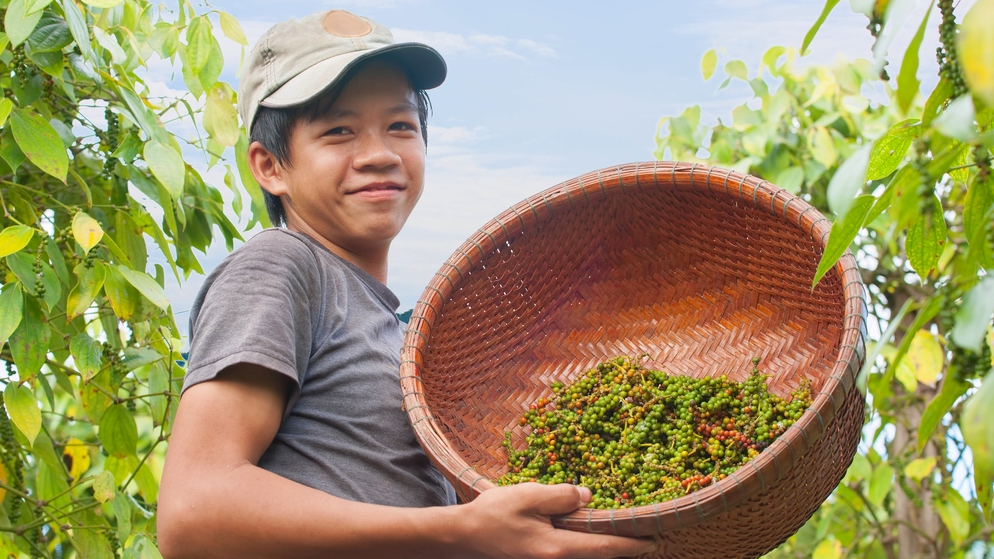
x,y
357,171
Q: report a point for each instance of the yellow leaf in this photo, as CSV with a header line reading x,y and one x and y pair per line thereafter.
x,y
828,549
3,478
975,46
104,487
86,231
925,357
76,456
919,468
709,63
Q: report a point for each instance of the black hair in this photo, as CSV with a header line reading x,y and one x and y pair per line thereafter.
x,y
272,128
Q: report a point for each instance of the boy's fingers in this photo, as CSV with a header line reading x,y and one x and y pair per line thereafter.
x,y
550,500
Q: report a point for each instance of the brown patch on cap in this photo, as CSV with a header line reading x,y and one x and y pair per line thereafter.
x,y
344,24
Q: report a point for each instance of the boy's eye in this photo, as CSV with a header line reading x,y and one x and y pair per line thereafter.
x,y
402,126
337,131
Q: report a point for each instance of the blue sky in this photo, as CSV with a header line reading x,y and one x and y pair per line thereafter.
x,y
539,92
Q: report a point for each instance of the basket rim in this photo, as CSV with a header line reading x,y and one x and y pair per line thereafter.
x,y
694,508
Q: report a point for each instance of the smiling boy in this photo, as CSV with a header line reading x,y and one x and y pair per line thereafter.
x,y
289,440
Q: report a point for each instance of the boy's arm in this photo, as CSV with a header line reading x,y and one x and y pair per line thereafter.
x,y
215,502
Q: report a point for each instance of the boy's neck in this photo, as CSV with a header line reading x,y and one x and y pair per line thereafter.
x,y
373,262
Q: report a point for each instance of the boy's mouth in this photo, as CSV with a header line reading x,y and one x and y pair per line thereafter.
x,y
378,188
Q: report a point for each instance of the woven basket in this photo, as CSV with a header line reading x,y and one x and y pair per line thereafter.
x,y
699,267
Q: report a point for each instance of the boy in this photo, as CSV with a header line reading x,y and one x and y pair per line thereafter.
x,y
289,440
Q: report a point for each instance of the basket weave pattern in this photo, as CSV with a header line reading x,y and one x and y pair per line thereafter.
x,y
701,269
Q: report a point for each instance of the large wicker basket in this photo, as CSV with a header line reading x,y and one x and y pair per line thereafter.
x,y
700,267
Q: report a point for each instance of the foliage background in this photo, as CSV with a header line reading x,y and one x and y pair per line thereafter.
x,y
95,190
91,348
907,180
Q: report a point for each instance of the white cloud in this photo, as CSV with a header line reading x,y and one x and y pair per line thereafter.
x,y
477,44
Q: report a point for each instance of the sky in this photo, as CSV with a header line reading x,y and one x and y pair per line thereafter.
x,y
539,92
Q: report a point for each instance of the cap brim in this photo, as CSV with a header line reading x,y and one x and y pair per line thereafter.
x,y
424,65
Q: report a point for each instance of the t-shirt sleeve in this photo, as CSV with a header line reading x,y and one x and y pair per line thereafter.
x,y
258,309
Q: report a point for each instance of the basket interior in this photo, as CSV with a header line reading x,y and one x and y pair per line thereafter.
x,y
699,282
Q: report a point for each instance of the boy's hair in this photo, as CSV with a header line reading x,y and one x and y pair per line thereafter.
x,y
272,129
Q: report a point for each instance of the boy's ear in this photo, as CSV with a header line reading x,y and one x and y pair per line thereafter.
x,y
266,169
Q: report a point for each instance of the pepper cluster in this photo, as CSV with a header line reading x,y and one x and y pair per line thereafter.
x,y
637,436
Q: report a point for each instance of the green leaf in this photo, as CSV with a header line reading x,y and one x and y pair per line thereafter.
x,y
146,286
848,181
880,484
50,35
78,28
957,120
40,143
810,35
975,47
198,43
104,488
860,469
907,79
936,100
140,113
102,3
167,166
233,30
822,147
5,107
158,382
36,5
955,514
51,485
17,23
770,58
88,286
86,231
92,544
220,115
118,432
22,407
974,315
139,357
87,355
122,512
843,233
978,433
211,71
925,240
147,486
14,238
919,468
737,69
109,42
11,310
29,342
889,151
124,298
144,548
951,391
165,39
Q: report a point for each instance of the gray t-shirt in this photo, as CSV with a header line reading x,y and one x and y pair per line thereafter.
x,y
286,303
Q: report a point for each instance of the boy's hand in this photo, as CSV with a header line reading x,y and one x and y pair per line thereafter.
x,y
514,522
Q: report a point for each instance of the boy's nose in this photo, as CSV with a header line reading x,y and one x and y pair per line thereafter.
x,y
374,150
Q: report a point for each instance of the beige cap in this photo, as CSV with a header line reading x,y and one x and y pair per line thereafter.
x,y
297,60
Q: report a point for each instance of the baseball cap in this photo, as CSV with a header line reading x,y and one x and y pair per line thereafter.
x,y
297,60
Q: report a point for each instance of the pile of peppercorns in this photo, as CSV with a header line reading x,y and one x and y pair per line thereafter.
x,y
636,436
